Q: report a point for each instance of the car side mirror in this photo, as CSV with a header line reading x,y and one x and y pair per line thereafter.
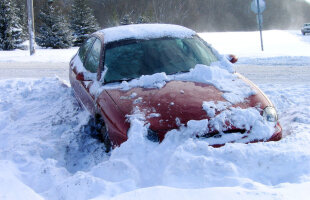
x,y
232,58
80,76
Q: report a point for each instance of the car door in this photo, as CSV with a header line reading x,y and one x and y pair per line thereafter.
x,y
89,56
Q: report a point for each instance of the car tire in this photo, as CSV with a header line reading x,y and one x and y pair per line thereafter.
x,y
102,129
96,128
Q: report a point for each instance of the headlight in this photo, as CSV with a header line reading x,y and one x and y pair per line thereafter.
x,y
270,114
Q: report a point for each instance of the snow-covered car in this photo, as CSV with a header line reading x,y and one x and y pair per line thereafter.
x,y
305,29
171,79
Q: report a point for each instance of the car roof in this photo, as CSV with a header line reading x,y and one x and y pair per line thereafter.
x,y
144,31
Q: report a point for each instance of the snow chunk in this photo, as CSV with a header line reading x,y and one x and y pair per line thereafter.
x,y
145,31
234,89
138,100
152,115
211,108
157,80
248,119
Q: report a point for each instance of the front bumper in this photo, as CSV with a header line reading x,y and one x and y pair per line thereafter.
x,y
277,135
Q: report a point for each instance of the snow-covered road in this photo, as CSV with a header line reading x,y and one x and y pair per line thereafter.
x,y
45,154
276,74
257,73
34,70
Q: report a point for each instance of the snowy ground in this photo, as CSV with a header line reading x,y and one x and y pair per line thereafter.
x,y
280,47
44,153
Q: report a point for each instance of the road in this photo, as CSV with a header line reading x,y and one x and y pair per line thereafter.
x,y
275,74
33,70
258,74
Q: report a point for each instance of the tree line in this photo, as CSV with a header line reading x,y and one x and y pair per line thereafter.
x,y
65,23
55,29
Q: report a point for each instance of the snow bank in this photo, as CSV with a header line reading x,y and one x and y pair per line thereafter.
x,y
41,55
145,31
254,192
44,153
11,186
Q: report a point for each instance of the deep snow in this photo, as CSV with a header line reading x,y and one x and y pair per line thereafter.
x,y
45,153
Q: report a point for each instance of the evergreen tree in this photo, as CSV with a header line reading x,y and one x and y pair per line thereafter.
x,y
143,20
83,22
54,30
126,20
22,15
10,27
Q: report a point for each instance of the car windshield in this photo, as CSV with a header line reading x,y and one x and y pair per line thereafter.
x,y
129,59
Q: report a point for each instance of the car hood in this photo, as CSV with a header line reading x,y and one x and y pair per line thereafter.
x,y
177,102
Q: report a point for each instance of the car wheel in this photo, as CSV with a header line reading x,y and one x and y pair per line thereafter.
x,y
304,33
96,128
103,134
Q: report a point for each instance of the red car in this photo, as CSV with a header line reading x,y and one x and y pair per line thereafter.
x,y
120,55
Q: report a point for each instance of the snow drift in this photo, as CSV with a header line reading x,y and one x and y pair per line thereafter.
x,y
45,154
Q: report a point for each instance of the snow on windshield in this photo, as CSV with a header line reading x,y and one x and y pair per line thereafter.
x,y
145,31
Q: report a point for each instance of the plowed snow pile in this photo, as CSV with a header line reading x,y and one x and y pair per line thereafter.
x,y
44,153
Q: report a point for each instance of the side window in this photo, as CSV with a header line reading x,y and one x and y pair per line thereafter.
x,y
93,58
84,48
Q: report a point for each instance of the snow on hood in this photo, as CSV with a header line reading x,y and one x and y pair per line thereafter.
x,y
145,31
248,119
234,89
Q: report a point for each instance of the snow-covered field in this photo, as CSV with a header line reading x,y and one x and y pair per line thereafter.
x,y
44,153
280,47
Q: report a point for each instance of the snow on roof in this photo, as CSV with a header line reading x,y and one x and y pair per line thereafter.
x,y
145,31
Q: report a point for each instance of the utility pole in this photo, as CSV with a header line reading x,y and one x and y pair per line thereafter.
x,y
260,16
31,26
